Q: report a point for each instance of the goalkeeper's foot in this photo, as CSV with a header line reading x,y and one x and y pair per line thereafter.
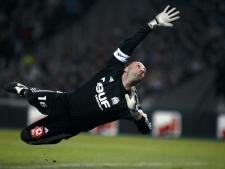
x,y
15,87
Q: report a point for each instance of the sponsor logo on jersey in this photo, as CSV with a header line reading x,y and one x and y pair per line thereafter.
x,y
111,79
46,130
103,79
115,100
120,55
34,89
101,97
37,132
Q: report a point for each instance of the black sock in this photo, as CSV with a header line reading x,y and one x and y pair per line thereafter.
x,y
23,92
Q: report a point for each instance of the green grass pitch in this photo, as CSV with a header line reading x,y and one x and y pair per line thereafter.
x,y
87,151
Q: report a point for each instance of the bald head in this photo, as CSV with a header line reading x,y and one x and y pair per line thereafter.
x,y
133,73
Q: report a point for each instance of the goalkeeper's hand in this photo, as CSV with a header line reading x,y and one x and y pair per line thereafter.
x,y
132,103
165,18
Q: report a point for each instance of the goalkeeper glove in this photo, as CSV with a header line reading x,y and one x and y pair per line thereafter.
x,y
165,18
132,103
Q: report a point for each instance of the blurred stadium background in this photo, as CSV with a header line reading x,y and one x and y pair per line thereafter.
x,y
59,44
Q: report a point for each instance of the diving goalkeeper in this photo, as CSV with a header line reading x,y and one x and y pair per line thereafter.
x,y
108,96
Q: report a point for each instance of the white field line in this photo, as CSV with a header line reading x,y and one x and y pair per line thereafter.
x,y
143,164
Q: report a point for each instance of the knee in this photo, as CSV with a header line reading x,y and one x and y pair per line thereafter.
x,y
25,136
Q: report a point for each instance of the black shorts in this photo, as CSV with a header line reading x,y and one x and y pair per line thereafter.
x,y
57,125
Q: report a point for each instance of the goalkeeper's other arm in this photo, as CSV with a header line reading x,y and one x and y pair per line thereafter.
x,y
132,104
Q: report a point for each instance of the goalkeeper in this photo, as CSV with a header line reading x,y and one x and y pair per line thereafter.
x,y
108,96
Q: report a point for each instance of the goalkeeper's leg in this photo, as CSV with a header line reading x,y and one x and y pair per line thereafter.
x,y
43,100
46,101
49,130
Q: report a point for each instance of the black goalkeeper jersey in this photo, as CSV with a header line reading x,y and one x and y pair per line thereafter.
x,y
102,99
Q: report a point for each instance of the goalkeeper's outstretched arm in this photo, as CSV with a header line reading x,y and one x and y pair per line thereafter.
x,y
163,19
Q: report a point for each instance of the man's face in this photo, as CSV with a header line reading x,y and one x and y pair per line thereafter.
x,y
135,71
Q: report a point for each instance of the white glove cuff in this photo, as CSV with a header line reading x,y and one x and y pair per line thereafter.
x,y
154,23
135,113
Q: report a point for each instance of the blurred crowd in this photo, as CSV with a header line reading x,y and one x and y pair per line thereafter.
x,y
171,55
24,22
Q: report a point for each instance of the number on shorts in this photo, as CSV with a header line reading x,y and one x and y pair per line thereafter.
x,y
42,98
42,103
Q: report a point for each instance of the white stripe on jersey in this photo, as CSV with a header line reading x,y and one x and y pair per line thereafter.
x,y
121,56
148,123
35,90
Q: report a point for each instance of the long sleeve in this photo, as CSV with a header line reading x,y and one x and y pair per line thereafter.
x,y
127,47
143,125
130,43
